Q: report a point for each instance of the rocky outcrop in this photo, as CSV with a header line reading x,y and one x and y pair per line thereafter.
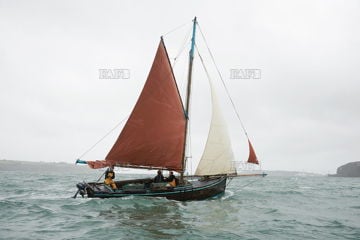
x,y
348,170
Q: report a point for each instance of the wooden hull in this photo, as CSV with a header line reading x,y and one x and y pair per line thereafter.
x,y
192,190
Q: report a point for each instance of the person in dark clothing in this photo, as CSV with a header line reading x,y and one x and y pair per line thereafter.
x,y
159,177
172,179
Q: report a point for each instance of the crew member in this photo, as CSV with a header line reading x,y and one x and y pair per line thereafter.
x,y
159,177
109,176
171,179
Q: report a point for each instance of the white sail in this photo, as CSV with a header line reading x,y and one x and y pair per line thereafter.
x,y
218,156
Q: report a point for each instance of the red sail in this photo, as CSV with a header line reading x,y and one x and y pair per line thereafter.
x,y
252,156
154,135
97,164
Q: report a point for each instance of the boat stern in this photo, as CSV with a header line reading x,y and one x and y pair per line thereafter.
x,y
84,189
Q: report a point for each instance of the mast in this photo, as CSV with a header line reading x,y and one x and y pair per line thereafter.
x,y
188,92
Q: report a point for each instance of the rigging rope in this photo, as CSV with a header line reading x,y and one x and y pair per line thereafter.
x,y
230,179
203,64
180,51
243,186
176,28
101,176
93,146
182,47
223,82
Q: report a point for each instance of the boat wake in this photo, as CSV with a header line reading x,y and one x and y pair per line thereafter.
x,y
228,194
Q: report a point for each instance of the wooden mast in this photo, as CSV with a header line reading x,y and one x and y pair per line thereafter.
x,y
188,92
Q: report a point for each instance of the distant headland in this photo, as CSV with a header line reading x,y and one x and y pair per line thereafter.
x,y
61,167
351,169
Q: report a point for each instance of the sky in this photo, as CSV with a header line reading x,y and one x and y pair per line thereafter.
x,y
301,114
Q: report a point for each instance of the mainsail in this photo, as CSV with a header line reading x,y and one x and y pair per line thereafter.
x,y
154,135
218,156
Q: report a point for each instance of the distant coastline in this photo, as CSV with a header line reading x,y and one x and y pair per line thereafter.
x,y
17,165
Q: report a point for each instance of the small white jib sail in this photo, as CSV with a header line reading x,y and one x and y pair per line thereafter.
x,y
218,156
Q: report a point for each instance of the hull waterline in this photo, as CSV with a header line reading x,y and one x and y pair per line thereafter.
x,y
193,190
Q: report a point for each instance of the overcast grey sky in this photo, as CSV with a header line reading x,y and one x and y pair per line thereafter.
x,y
303,114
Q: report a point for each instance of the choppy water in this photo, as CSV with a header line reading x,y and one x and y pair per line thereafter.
x,y
37,205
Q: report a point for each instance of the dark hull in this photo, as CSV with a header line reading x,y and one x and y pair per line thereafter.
x,y
192,190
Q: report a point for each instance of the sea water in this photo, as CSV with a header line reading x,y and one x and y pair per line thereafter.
x,y
36,203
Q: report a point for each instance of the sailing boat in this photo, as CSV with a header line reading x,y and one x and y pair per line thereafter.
x,y
154,137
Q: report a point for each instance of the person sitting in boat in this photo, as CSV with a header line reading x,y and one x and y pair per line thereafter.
x,y
159,177
172,180
109,176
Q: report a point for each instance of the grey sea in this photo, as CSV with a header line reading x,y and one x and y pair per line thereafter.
x,y
36,203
